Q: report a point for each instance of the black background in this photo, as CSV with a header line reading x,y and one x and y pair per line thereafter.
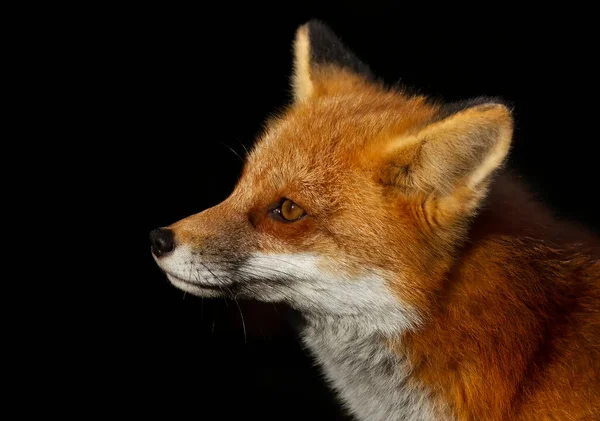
x,y
173,90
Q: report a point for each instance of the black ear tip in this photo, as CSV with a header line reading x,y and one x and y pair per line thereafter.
x,y
327,48
446,110
320,33
317,25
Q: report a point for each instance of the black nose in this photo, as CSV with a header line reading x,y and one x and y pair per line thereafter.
x,y
162,241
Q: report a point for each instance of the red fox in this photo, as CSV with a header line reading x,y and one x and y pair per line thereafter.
x,y
433,286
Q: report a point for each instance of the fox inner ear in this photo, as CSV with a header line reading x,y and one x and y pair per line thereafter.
x,y
453,158
318,56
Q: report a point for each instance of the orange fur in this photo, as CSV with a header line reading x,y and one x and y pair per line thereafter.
x,y
510,297
513,331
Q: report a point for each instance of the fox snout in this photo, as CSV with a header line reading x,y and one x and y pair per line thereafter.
x,y
216,254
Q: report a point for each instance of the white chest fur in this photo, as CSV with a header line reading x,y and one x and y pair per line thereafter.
x,y
372,381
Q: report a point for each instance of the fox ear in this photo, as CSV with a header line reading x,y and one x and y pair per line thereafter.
x,y
453,158
319,55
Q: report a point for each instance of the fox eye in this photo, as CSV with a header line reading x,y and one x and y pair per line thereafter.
x,y
288,211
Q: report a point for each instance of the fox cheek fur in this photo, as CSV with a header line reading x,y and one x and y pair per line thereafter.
x,y
433,286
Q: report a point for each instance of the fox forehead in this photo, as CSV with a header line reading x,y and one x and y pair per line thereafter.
x,y
316,145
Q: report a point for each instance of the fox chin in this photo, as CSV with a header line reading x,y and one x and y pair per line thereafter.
x,y
434,287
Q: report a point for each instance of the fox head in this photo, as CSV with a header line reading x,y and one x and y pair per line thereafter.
x,y
353,201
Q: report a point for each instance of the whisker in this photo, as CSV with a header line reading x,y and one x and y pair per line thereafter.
x,y
267,271
243,146
216,277
222,260
277,259
254,282
302,347
247,270
232,150
249,276
241,315
276,311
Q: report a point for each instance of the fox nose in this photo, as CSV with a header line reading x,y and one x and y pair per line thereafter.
x,y
162,241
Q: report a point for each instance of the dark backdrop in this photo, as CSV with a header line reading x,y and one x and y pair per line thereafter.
x,y
180,87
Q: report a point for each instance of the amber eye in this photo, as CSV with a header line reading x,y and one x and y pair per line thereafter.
x,y
289,211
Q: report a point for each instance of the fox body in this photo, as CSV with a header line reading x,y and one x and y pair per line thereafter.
x,y
432,285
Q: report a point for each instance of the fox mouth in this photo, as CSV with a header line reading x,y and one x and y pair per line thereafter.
x,y
176,279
